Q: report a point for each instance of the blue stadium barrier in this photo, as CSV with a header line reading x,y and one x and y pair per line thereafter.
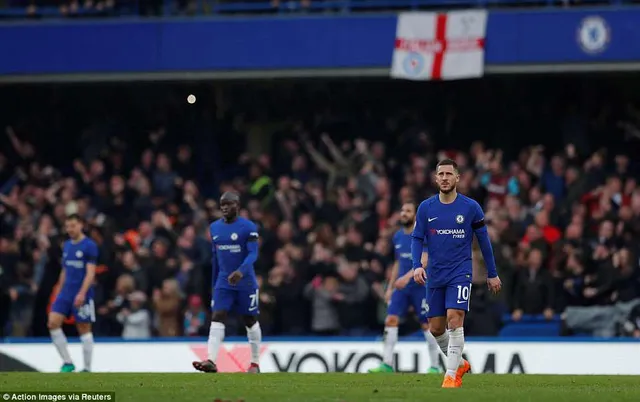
x,y
204,7
530,325
529,318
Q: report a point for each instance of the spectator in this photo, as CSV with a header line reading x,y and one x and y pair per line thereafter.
x,y
351,296
136,320
166,303
534,290
323,294
195,318
107,313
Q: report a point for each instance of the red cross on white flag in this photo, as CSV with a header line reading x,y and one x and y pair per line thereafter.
x,y
440,46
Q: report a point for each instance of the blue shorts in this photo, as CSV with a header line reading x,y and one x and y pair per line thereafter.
x,y
84,314
241,301
455,297
414,296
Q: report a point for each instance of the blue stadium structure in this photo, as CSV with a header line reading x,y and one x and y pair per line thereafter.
x,y
218,7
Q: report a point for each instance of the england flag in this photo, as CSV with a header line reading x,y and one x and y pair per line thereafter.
x,y
440,46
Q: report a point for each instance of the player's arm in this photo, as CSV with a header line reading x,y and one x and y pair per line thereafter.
x,y
425,256
249,260
406,278
392,279
214,259
418,237
252,252
90,275
214,265
482,234
61,278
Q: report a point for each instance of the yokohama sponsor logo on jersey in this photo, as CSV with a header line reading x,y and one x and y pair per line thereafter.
x,y
234,248
450,231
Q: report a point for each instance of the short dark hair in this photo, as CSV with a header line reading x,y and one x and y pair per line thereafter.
x,y
230,196
412,203
447,162
74,217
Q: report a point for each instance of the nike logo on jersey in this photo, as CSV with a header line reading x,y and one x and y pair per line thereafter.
x,y
461,301
398,246
432,219
215,237
253,308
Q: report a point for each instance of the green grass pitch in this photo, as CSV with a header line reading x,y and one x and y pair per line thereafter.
x,y
330,387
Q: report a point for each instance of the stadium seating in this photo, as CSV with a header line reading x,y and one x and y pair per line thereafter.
x,y
530,325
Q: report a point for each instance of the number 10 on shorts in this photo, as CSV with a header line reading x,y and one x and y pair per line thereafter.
x,y
463,292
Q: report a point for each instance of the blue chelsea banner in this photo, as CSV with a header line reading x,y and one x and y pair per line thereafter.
x,y
513,38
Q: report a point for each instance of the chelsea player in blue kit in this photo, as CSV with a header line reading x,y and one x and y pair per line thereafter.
x,y
79,256
404,292
445,222
234,244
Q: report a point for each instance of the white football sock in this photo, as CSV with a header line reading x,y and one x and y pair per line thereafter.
x,y
60,341
254,334
390,340
456,346
87,349
216,336
434,348
443,342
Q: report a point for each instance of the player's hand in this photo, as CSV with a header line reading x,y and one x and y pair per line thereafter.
x,y
234,278
495,285
420,276
79,301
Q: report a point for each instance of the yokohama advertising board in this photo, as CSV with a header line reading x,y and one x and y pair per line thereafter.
x,y
320,357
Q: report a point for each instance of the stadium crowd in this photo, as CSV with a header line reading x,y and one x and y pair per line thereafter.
x,y
119,8
564,223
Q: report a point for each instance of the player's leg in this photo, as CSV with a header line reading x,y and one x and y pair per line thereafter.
x,y
397,308
421,307
85,316
457,304
221,302
389,339
248,307
86,338
437,299
437,317
59,310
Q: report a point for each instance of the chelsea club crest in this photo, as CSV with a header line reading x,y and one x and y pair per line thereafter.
x,y
593,34
459,219
413,64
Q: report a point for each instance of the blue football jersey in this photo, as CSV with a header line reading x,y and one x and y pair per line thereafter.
x,y
75,257
402,250
229,244
447,230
